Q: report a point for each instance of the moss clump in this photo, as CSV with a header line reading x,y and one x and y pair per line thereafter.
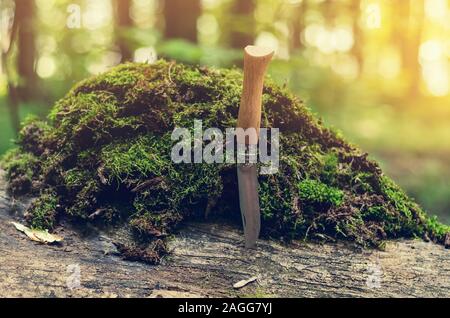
x,y
104,155
43,211
21,171
314,192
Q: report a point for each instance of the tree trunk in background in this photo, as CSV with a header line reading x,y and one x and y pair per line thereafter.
x,y
123,23
328,8
358,45
181,19
298,25
13,104
401,15
407,34
22,33
26,49
244,25
415,28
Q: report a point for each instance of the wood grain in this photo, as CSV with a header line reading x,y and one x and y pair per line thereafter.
x,y
208,259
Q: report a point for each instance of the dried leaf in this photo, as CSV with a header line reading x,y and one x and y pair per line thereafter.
x,y
38,235
244,283
20,227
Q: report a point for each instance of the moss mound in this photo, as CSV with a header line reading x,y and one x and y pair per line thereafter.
x,y
104,156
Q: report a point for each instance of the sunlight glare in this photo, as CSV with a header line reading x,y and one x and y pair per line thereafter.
x,y
339,39
46,67
343,39
97,14
436,75
208,29
145,55
267,39
436,9
431,50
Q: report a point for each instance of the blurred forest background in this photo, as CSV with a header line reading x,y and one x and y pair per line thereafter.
x,y
378,70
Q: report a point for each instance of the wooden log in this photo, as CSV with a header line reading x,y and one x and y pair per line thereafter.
x,y
207,260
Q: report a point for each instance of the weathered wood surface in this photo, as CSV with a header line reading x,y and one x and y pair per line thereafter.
x,y
208,259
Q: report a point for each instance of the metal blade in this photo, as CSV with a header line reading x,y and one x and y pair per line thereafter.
x,y
249,202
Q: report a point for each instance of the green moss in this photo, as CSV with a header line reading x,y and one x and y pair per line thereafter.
x,y
330,168
105,153
17,162
438,230
76,178
43,211
362,182
139,159
397,197
21,170
85,201
315,192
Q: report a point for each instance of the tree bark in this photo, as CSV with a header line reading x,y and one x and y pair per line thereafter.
x,y
207,259
123,23
181,19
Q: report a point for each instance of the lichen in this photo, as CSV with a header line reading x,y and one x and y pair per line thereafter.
x,y
104,155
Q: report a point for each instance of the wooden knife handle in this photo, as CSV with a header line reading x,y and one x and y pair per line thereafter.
x,y
256,61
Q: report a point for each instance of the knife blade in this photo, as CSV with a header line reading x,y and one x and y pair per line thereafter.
x,y
256,61
249,202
